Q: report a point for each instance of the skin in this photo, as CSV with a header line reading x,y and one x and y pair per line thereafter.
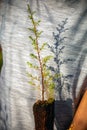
x,y
80,118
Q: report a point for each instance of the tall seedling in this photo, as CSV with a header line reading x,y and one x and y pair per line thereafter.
x,y
45,78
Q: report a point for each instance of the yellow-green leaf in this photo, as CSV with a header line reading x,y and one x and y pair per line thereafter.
x,y
46,59
33,56
42,47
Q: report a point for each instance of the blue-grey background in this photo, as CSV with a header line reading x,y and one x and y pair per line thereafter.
x,y
16,95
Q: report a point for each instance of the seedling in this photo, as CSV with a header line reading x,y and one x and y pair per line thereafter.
x,y
44,78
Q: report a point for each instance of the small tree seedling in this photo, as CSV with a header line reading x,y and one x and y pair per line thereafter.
x,y
44,77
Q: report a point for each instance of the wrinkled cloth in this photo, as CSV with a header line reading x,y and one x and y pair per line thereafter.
x,y
16,95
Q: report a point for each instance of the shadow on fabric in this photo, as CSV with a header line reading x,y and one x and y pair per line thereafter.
x,y
63,114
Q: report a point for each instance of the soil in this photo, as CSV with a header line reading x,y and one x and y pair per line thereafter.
x,y
43,115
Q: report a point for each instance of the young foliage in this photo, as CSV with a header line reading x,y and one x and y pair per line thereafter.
x,y
45,78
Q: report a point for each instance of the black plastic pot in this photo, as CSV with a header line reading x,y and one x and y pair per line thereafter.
x,y
44,115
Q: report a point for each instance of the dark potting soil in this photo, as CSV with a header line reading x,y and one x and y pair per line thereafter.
x,y
43,115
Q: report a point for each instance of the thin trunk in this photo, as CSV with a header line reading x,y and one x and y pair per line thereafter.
x,y
39,58
41,69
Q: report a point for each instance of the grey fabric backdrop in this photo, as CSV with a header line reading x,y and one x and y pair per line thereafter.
x,y
16,95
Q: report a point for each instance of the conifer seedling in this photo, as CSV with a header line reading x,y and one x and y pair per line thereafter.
x,y
44,77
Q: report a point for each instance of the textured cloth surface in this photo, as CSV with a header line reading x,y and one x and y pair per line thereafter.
x,y
16,95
